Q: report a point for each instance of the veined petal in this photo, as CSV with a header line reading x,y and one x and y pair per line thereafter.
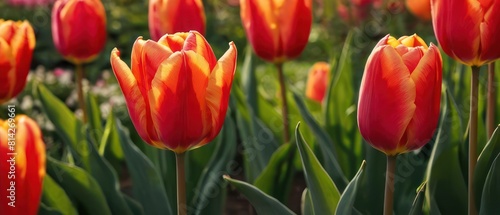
x,y
197,43
138,107
457,28
177,96
427,77
218,90
261,26
386,100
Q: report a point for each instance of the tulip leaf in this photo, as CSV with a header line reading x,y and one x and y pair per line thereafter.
x,y
134,206
109,146
372,183
484,163
444,174
328,150
204,201
67,125
307,205
54,199
148,187
80,186
94,118
417,207
45,210
263,203
276,178
249,81
324,194
491,190
346,203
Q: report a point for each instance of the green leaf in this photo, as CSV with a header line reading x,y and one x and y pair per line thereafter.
x,y
248,80
491,190
277,177
417,207
324,194
346,203
54,199
444,174
328,150
94,118
45,210
79,186
211,180
484,163
263,203
307,205
110,146
148,187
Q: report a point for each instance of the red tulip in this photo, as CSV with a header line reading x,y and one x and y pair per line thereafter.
x,y
420,8
278,30
22,152
400,94
17,42
79,29
317,81
177,93
468,30
172,16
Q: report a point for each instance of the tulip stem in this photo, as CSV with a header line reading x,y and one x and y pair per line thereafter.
x,y
473,136
389,184
181,184
284,110
79,88
490,111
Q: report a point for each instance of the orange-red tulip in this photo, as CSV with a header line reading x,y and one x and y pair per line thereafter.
x,y
468,30
400,94
177,92
172,16
317,81
79,29
17,42
23,166
278,30
420,8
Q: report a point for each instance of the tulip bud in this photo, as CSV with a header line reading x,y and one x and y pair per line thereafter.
x,y
172,16
177,93
278,30
79,29
22,153
420,8
400,94
317,81
17,42
468,31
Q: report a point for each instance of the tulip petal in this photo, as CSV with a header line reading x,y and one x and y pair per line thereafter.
x,y
490,31
175,42
261,27
412,58
197,43
295,22
177,96
427,77
138,107
7,71
218,90
386,102
456,25
22,44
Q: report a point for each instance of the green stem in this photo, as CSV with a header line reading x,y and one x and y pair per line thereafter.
x,y
490,111
284,110
389,184
473,136
181,184
79,88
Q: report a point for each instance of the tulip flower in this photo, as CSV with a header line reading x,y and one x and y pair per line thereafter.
x,y
420,8
17,42
468,30
355,11
177,93
23,165
317,81
172,16
400,94
79,29
278,30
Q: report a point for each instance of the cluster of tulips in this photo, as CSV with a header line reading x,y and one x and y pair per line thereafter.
x,y
177,92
